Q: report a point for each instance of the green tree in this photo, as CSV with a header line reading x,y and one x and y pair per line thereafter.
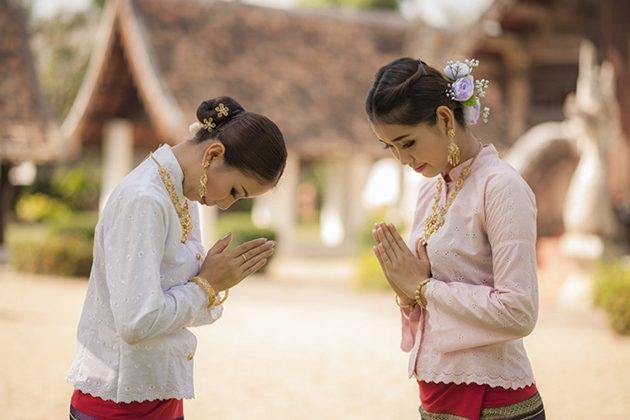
x,y
355,4
62,53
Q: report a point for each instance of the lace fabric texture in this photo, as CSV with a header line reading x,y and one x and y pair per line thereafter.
x,y
133,338
484,295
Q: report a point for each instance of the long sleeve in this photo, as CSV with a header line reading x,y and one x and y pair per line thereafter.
x,y
503,305
134,250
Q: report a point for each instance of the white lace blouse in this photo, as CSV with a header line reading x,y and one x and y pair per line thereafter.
x,y
133,342
484,294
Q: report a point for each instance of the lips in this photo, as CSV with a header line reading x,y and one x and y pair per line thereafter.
x,y
420,168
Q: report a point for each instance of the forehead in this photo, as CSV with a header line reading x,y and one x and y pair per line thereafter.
x,y
390,133
252,184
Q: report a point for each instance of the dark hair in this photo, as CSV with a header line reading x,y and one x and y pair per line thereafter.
x,y
253,143
408,92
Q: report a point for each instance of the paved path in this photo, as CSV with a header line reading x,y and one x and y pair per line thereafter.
x,y
290,346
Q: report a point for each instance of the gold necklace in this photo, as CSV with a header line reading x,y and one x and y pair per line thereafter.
x,y
181,209
436,219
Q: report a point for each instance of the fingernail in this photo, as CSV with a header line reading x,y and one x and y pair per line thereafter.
x,y
228,235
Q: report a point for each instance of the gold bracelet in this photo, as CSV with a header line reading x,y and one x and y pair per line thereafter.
x,y
419,291
397,299
205,285
227,292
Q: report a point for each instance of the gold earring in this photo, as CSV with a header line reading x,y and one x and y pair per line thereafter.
x,y
203,180
453,149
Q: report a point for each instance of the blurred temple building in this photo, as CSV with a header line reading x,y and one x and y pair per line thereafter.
x,y
309,70
28,134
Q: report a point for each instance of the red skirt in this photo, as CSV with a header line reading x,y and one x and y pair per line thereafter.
x,y
86,407
476,402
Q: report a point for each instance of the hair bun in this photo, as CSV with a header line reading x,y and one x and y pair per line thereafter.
x,y
218,110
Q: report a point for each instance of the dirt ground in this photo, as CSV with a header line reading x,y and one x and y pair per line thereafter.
x,y
302,343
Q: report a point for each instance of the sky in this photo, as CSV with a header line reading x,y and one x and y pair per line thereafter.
x,y
439,13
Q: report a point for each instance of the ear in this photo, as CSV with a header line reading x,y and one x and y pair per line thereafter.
x,y
214,151
445,118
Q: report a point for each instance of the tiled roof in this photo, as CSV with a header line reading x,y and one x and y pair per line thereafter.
x,y
308,71
26,129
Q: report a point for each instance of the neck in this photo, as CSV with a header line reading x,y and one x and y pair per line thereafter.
x,y
469,147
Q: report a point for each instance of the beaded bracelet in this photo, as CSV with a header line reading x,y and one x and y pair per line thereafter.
x,y
212,294
419,291
397,299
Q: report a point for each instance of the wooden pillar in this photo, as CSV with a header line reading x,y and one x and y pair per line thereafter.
x,y
517,63
5,198
278,208
117,156
343,215
208,225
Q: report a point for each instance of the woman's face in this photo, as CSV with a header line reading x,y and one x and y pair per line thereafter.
x,y
226,185
422,147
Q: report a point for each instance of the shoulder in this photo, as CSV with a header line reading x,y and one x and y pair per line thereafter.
x,y
138,191
501,180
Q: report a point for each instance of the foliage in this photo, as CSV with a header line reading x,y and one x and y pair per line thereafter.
x,y
62,55
60,191
243,230
355,4
67,254
612,293
370,274
38,207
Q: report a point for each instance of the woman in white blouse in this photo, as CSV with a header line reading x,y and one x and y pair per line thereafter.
x,y
467,281
151,278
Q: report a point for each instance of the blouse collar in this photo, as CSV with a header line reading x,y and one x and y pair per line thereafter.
x,y
486,151
165,156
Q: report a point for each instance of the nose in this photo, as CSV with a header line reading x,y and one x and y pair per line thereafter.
x,y
227,203
405,157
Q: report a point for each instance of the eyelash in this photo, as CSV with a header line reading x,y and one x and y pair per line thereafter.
x,y
233,192
405,146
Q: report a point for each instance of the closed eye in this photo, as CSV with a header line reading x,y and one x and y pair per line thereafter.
x,y
387,146
408,145
233,193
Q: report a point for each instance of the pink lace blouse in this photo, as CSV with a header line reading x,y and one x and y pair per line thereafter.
x,y
483,297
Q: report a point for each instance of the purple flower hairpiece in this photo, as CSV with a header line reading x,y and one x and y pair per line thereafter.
x,y
463,88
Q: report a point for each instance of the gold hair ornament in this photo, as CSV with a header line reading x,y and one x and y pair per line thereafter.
x,y
208,124
222,110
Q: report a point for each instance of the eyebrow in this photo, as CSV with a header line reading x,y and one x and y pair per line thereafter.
x,y
397,138
246,193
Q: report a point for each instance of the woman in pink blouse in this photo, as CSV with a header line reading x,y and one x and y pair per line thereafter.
x,y
466,281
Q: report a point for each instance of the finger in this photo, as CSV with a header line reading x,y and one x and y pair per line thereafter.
x,y
375,236
386,246
400,242
252,253
220,245
251,270
247,246
254,259
390,235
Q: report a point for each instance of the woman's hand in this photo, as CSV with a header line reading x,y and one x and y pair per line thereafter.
x,y
403,270
225,269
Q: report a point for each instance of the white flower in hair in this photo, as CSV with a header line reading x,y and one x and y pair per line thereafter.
x,y
194,127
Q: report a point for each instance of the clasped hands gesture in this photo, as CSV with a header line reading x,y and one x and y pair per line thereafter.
x,y
225,269
402,268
